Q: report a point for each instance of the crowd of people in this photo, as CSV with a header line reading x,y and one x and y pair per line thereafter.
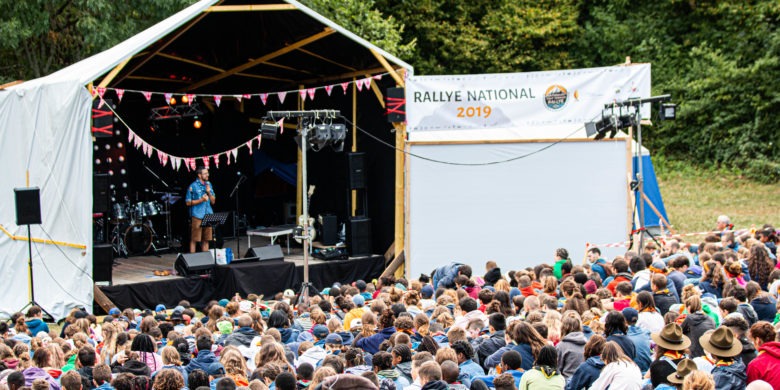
x,y
675,316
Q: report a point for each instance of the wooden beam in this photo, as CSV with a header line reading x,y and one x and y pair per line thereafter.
x,y
163,46
257,76
400,171
191,62
394,265
101,299
343,76
285,67
251,7
324,33
377,92
315,55
148,78
11,84
110,76
353,193
398,79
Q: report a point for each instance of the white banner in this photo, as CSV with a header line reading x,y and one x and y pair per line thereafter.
x,y
518,100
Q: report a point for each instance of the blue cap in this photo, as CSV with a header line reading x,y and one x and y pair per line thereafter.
x,y
358,300
320,331
114,311
333,338
223,302
427,291
631,314
159,308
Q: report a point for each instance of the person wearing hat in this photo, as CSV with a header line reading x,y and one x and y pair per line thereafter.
x,y
721,345
677,378
315,354
670,345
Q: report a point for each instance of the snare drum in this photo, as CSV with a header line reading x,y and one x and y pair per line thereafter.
x,y
152,208
118,212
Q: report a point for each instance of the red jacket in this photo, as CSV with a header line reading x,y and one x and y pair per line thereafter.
x,y
766,366
620,278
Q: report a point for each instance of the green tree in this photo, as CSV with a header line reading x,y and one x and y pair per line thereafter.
x,y
41,36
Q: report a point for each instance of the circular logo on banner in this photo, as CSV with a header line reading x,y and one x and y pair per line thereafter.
x,y
555,97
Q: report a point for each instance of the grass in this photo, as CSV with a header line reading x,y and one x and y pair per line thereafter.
x,y
694,197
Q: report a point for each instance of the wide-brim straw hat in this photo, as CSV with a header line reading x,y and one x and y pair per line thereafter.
x,y
671,337
684,367
721,343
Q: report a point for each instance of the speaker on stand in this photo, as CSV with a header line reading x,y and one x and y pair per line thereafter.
x,y
358,226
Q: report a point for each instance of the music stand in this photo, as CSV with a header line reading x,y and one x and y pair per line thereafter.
x,y
212,221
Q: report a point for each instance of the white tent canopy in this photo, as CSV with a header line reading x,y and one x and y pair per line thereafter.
x,y
45,128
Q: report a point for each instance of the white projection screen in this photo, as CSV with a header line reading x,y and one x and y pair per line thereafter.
x,y
515,213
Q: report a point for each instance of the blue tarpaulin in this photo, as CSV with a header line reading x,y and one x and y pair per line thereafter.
x,y
651,190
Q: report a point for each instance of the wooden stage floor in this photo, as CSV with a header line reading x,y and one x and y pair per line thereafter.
x,y
140,269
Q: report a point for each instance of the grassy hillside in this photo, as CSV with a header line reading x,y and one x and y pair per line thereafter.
x,y
695,196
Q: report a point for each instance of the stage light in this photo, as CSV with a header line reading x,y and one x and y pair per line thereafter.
x,y
119,145
338,132
124,185
172,101
117,133
319,136
113,199
197,124
668,111
97,148
108,146
121,158
123,171
109,160
110,172
112,186
185,99
97,161
268,130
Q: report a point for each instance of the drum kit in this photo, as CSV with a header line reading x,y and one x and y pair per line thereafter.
x,y
133,232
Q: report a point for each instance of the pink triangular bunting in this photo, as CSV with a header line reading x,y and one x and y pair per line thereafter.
x,y
168,97
119,94
249,146
217,99
311,92
282,95
190,98
264,97
344,86
303,94
328,89
147,95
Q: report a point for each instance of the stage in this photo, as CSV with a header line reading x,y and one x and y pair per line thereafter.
x,y
136,286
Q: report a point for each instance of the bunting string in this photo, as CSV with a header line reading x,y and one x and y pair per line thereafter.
x,y
306,93
189,162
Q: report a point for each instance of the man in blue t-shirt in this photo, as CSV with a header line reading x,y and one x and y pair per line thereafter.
x,y
200,197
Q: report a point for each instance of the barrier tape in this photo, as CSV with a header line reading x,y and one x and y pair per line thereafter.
x,y
41,240
662,238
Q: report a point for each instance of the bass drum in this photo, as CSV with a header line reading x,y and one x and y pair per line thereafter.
x,y
138,239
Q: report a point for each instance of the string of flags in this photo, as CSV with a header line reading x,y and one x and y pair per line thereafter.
x,y
176,162
361,84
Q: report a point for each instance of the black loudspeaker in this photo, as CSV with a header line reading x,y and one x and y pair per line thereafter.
x,y
100,203
359,236
102,119
102,263
194,263
330,230
395,101
357,170
266,253
28,206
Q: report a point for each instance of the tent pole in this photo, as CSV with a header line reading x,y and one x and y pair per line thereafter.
x,y
353,193
640,180
299,183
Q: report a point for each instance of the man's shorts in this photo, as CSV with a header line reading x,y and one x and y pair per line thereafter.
x,y
198,233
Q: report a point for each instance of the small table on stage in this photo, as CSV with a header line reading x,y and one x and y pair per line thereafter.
x,y
272,232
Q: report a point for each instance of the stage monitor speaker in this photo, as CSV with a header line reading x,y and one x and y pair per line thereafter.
x,y
266,253
357,170
194,263
28,206
100,184
359,236
102,263
330,230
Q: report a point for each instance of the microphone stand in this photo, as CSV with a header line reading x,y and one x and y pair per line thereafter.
x,y
236,225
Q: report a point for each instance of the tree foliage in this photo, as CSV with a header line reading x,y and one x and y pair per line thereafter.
x,y
718,58
41,36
